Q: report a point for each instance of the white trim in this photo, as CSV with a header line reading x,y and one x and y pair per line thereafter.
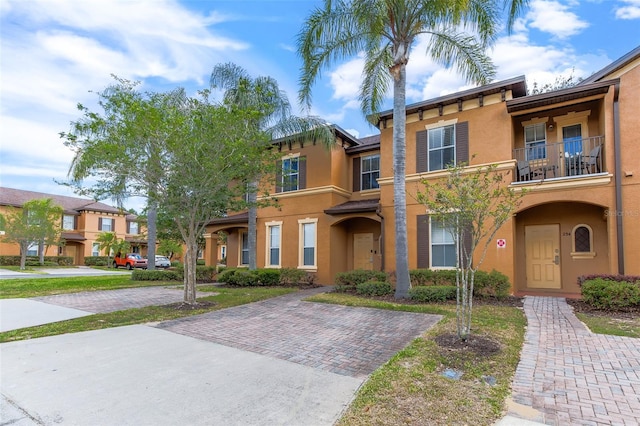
x,y
441,123
301,223
267,254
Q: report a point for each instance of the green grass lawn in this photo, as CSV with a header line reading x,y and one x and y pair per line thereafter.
x,y
410,389
33,287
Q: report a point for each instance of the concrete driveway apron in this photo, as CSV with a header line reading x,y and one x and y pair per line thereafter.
x,y
275,362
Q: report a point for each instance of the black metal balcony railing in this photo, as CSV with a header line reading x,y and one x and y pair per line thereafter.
x,y
573,157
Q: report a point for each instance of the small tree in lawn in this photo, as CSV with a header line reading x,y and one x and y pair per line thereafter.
x,y
214,153
38,222
472,204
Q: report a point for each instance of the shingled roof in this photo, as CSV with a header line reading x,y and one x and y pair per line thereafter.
x,y
71,205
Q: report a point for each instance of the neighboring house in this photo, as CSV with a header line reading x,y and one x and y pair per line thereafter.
x,y
82,221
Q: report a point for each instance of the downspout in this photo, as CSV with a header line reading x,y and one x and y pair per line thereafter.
x,y
618,171
381,237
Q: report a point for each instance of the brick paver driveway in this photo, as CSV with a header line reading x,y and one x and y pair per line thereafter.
x,y
340,339
117,300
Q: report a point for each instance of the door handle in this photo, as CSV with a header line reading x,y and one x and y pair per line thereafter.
x,y
556,260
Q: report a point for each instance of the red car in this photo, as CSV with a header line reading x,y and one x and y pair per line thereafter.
x,y
130,261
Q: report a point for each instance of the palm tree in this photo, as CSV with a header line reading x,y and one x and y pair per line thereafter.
x,y
384,31
275,120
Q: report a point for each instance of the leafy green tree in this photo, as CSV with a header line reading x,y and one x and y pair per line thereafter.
x,y
384,31
472,204
108,242
214,154
122,148
170,248
561,82
37,222
275,120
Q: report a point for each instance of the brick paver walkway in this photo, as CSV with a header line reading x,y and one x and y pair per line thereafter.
x,y
340,339
574,376
117,300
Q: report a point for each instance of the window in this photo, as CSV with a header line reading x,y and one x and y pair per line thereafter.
x,y
134,228
370,167
307,255
535,140
443,246
441,147
244,249
68,222
273,243
290,175
32,250
223,252
95,249
582,239
105,224
572,138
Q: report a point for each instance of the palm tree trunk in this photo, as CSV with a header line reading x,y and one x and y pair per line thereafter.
x,y
253,230
152,215
399,192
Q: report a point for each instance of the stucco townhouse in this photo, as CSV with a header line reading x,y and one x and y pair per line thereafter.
x,y
575,150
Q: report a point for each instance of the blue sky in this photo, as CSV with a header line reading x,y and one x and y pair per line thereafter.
x,y
53,53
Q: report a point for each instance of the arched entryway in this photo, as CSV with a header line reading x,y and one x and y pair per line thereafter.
x,y
558,242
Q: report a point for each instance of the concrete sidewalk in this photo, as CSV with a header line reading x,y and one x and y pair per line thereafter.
x,y
288,362
21,313
140,375
78,271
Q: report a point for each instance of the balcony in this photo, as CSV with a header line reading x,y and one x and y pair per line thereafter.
x,y
568,159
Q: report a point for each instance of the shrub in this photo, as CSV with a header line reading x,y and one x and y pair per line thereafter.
x,y
205,274
35,261
268,277
374,288
200,262
246,278
491,284
609,277
96,260
227,276
347,281
426,277
606,294
155,275
291,276
433,293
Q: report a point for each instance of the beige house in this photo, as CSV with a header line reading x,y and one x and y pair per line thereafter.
x,y
81,223
576,150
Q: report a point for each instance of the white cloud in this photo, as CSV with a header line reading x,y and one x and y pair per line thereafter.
x,y
631,10
553,17
345,80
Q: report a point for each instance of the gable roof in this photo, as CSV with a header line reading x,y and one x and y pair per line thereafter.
x,y
612,67
71,205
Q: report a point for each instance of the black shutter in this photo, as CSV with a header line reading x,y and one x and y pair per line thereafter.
x,y
128,227
99,224
423,239
356,174
422,153
302,173
279,176
75,222
462,142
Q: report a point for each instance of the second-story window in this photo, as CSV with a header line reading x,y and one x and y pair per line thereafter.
x,y
535,140
290,174
442,147
370,172
68,222
105,224
134,228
